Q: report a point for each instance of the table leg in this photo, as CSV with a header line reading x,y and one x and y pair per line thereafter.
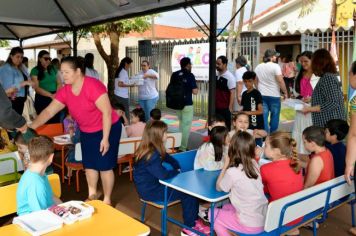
x,y
212,206
164,212
62,163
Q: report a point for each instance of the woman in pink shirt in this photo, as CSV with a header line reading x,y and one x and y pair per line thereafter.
x,y
88,103
138,124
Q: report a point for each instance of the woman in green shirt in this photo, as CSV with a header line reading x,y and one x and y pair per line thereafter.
x,y
46,83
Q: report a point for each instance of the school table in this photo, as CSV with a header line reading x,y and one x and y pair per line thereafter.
x,y
106,220
198,183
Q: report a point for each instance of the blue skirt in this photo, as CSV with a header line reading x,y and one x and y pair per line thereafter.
x,y
90,144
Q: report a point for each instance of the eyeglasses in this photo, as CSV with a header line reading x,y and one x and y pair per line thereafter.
x,y
47,58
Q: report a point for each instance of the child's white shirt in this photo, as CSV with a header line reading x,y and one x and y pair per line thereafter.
x,y
205,158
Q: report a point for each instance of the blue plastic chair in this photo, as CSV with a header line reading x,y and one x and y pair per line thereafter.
x,y
186,162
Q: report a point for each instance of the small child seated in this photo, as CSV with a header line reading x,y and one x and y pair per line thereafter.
x,y
218,120
321,165
6,145
34,192
241,122
241,178
69,124
212,155
155,114
75,137
137,123
335,131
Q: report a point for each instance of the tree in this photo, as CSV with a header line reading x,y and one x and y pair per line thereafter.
x,y
114,31
307,7
239,29
252,15
231,31
4,43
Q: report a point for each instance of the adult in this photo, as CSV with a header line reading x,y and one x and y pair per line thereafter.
x,y
269,83
185,116
289,71
327,101
9,118
225,90
88,103
303,90
46,82
147,93
350,169
89,66
122,84
240,63
14,80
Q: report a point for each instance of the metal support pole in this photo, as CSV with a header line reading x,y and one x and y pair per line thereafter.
x,y
75,46
212,58
20,40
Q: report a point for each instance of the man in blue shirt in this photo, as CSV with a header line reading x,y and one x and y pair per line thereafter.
x,y
34,192
185,115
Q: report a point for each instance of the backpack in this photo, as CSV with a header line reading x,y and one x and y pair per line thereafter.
x,y
175,95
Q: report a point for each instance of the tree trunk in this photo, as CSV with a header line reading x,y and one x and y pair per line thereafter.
x,y
252,15
112,60
231,31
239,29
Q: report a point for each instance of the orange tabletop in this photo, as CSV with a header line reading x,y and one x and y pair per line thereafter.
x,y
106,220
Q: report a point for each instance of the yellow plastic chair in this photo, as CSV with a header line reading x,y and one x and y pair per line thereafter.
x,y
11,177
8,195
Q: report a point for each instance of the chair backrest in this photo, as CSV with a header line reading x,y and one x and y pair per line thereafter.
x,y
185,159
129,145
174,140
50,130
7,167
304,202
8,195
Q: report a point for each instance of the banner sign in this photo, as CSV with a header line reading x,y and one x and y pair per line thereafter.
x,y
199,56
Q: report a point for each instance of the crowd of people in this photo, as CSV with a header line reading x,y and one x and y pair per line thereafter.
x,y
243,131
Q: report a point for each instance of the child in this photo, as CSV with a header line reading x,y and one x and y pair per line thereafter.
x,y
218,120
335,131
34,192
282,176
321,165
137,123
155,114
69,124
75,137
6,145
252,101
241,177
241,123
148,170
212,155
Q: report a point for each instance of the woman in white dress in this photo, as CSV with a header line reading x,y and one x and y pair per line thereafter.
x,y
304,85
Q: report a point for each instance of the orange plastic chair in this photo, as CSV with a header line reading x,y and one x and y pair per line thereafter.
x,y
128,158
52,130
77,167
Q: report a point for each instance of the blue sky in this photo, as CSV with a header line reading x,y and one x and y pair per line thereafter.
x,y
180,18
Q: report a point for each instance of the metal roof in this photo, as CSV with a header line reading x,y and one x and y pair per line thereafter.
x,y
23,19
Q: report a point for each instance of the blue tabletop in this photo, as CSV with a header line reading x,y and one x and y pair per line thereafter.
x,y
198,183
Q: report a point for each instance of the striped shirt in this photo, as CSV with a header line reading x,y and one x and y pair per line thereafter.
x,y
328,95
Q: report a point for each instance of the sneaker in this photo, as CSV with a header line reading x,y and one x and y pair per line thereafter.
x,y
204,215
200,226
187,232
126,169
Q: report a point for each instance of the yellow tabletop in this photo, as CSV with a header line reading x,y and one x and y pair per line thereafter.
x,y
106,220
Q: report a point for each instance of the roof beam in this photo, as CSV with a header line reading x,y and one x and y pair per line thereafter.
x,y
64,13
11,31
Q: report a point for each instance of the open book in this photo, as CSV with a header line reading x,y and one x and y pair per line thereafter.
x,y
62,139
44,221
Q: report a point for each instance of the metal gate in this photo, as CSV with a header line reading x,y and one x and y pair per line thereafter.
x,y
161,62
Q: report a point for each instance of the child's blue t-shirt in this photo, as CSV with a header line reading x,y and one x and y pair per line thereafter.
x,y
34,193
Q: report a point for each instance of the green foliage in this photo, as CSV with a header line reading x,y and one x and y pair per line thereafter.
x,y
138,24
4,43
